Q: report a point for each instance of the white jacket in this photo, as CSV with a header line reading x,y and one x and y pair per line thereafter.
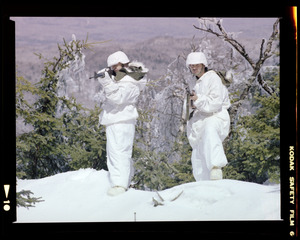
x,y
213,102
212,94
121,97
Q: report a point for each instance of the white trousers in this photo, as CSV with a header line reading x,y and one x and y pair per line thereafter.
x,y
206,135
119,143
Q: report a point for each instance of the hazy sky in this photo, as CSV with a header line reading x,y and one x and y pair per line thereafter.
x,y
43,30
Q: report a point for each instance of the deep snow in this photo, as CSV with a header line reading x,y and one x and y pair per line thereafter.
x,y
80,196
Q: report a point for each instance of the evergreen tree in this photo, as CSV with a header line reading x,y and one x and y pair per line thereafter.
x,y
39,152
253,150
65,136
183,168
152,170
86,145
25,200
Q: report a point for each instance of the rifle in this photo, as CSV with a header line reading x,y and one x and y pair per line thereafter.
x,y
98,75
189,104
102,74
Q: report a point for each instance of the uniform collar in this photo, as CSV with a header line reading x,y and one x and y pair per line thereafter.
x,y
200,78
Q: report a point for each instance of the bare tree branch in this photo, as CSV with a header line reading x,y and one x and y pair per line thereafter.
x,y
263,56
224,35
261,49
264,85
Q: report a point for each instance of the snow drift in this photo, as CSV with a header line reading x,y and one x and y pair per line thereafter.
x,y
80,196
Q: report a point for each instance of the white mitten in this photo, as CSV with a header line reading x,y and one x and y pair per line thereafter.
x,y
110,87
106,80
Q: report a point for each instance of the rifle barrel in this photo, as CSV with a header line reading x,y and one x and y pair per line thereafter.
x,y
97,75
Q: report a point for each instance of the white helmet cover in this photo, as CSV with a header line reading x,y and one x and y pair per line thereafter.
x,y
117,57
196,58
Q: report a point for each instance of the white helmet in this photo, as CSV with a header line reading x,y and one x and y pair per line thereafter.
x,y
117,57
196,58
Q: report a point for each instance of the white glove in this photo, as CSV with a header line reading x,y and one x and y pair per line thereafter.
x,y
109,86
106,80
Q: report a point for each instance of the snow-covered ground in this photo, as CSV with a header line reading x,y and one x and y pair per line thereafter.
x,y
80,196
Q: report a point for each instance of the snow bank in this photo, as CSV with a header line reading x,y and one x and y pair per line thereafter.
x,y
80,196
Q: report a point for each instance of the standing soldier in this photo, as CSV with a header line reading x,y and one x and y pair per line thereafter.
x,y
210,121
122,82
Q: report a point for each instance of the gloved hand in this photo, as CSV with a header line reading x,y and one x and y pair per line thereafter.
x,y
106,80
110,87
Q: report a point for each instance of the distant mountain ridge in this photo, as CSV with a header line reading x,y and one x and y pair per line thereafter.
x,y
50,30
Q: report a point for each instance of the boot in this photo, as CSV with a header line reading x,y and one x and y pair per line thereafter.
x,y
116,190
216,174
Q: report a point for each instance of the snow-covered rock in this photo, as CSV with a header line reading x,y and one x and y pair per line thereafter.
x,y
81,196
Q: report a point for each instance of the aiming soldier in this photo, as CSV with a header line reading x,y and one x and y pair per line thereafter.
x,y
122,82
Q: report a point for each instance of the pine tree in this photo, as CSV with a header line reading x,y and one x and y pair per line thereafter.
x,y
25,200
183,168
152,170
37,149
86,145
254,149
65,136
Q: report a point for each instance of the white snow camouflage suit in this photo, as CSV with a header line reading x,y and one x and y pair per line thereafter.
x,y
119,116
209,125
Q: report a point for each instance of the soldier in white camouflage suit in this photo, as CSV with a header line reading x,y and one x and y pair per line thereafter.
x,y
210,122
122,83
